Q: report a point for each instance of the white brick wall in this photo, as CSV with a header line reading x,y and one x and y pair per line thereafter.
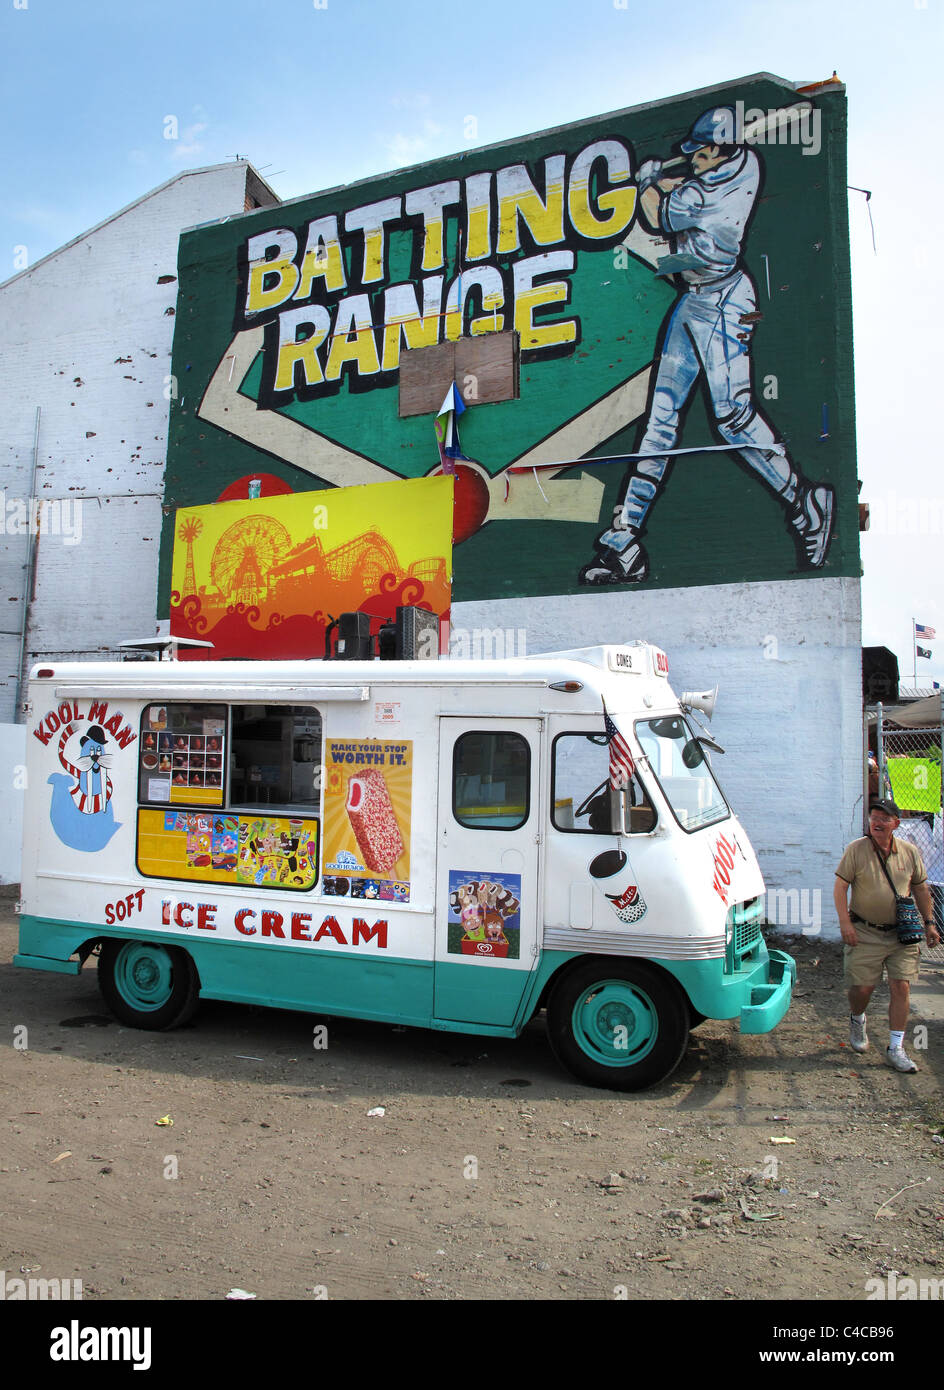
x,y
787,658
86,336
12,767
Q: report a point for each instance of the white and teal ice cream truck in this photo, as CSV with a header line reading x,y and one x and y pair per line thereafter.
x,y
451,845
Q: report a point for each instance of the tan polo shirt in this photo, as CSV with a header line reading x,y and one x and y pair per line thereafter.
x,y
871,897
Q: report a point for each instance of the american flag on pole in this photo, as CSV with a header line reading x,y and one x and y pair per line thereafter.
x,y
447,429
622,766
926,632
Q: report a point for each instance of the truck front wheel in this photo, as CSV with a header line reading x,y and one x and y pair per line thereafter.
x,y
620,1024
146,985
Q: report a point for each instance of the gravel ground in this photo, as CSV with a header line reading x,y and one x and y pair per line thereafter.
x,y
773,1167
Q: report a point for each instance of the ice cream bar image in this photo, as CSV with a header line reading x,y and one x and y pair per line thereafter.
x,y
373,821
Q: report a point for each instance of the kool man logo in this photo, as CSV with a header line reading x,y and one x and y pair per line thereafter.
x,y
81,810
723,859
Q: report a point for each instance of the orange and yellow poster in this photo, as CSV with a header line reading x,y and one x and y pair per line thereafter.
x,y
368,787
262,577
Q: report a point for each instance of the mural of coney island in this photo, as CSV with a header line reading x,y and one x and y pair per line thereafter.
x,y
263,578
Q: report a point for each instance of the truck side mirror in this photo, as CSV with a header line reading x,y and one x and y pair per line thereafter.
x,y
692,753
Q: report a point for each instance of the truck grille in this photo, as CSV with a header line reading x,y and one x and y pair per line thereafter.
x,y
746,935
743,931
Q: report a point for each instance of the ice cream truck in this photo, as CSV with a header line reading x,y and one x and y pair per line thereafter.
x,y
447,844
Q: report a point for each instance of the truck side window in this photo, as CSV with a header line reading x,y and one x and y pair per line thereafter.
x,y
491,778
581,789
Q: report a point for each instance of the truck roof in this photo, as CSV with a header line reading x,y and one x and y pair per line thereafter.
x,y
183,678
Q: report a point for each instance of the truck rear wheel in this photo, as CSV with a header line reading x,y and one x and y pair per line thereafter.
x,y
620,1024
146,985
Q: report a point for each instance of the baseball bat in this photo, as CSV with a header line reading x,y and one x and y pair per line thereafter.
x,y
771,120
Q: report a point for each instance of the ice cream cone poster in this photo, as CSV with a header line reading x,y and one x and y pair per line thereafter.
x,y
258,578
368,790
484,914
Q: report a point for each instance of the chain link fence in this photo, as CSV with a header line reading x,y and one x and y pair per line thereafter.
x,y
909,763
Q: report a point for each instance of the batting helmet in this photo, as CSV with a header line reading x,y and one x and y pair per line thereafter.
x,y
713,127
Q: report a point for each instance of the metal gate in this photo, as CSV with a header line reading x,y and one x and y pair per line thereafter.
x,y
909,769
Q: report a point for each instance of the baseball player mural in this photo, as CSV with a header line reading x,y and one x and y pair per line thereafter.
x,y
708,330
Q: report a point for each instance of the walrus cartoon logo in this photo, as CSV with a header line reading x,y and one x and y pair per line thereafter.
x,y
81,811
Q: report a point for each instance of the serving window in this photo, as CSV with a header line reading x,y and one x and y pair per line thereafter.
x,y
230,794
276,757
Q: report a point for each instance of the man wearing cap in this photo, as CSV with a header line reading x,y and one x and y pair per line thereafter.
x,y
709,330
867,925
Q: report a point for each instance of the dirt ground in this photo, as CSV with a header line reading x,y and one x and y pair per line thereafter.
x,y
490,1174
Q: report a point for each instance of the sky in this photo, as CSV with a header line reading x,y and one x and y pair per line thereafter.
x,y
321,92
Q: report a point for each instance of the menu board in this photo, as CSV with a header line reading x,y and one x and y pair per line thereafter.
x,y
275,851
182,755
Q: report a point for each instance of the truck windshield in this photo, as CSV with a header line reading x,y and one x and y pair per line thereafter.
x,y
679,764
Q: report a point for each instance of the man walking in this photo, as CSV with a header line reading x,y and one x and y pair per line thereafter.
x,y
867,923
708,331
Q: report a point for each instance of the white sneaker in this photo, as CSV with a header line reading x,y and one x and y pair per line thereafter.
x,y
609,567
898,1058
812,517
858,1037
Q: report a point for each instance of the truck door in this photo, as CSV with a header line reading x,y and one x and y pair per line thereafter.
x,y
490,814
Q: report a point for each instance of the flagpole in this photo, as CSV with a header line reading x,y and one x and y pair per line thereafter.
x,y
914,651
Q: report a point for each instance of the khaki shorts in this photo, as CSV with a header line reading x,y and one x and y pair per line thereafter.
x,y
862,964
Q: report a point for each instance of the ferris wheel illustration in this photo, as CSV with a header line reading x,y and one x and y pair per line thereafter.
x,y
244,556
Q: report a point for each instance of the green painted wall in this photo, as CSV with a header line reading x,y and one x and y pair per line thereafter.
x,y
714,522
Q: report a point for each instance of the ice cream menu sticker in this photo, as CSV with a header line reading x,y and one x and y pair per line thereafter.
x,y
484,914
276,851
368,791
182,754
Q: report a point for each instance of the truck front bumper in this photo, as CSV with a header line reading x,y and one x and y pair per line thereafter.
x,y
769,1002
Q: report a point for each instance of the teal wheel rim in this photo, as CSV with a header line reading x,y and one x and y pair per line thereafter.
x,y
144,976
615,1023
